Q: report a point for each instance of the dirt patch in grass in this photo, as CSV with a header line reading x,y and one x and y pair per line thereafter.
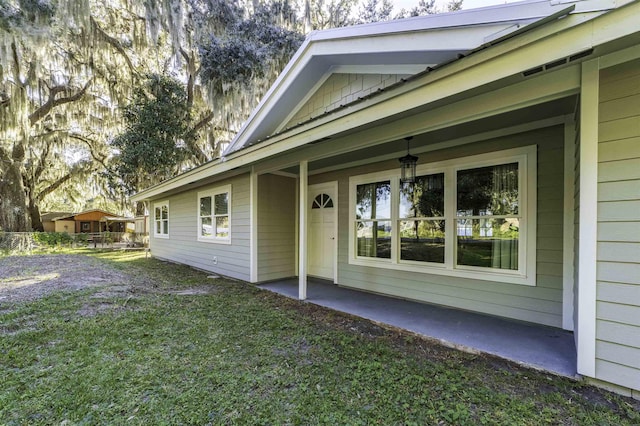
x,y
26,278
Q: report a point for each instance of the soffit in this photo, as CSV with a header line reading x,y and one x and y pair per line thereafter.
x,y
423,142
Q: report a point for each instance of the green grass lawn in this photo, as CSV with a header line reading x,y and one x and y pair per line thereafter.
x,y
234,354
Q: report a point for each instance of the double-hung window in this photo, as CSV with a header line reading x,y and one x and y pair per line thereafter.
x,y
472,217
373,219
161,219
487,217
421,221
214,215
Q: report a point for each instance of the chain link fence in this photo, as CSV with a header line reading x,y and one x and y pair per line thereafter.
x,y
17,242
27,242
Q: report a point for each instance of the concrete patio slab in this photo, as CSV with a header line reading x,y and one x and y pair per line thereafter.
x,y
545,348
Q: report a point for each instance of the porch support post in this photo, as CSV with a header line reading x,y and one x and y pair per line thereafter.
x,y
302,231
588,218
568,240
253,221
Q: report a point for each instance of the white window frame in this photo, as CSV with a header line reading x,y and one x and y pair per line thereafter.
x,y
161,234
526,157
225,189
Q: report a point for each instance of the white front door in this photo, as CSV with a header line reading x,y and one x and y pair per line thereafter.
x,y
322,243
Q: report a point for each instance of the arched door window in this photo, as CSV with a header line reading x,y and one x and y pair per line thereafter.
x,y
322,201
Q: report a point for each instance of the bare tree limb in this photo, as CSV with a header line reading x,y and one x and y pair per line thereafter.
x,y
204,120
115,44
48,133
52,102
190,137
55,185
42,162
101,159
191,72
77,170
16,65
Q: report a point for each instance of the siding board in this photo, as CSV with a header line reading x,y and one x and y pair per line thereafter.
x,y
618,254
619,170
626,86
623,128
620,374
617,108
620,190
619,232
616,312
622,334
619,293
619,211
626,273
618,354
619,149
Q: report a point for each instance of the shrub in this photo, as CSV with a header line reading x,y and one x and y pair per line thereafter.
x,y
53,239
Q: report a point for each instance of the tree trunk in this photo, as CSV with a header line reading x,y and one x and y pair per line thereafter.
x,y
140,208
34,213
14,215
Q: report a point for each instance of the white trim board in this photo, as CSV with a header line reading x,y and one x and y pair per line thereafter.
x,y
587,265
302,233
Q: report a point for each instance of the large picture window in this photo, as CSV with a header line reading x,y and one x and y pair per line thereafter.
x,y
161,219
472,217
214,215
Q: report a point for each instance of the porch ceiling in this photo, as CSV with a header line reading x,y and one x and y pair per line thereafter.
x,y
425,141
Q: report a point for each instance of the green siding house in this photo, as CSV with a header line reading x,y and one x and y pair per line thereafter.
x,y
525,204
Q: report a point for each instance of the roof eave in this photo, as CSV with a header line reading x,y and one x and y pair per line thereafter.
x,y
295,137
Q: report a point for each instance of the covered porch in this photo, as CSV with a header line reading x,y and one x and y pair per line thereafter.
x,y
540,347
305,204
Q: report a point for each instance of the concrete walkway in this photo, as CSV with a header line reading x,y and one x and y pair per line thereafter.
x,y
537,346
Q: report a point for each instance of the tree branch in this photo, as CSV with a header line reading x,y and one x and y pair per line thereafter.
x,y
52,102
16,65
77,170
204,120
42,162
115,44
223,129
191,72
190,138
55,185
48,133
90,143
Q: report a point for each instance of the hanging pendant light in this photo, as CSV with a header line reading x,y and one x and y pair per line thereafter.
x,y
408,165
